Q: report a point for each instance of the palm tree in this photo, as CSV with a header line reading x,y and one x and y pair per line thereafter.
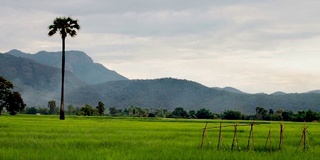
x,y
66,26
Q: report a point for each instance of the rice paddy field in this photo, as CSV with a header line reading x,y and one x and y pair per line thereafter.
x,y
46,137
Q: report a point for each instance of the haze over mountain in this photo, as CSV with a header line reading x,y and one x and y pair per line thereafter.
x,y
77,62
37,83
40,82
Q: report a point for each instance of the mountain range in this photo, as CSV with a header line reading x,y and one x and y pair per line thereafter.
x,y
37,77
77,62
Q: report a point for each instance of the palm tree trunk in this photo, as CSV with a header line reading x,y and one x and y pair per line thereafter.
x,y
62,117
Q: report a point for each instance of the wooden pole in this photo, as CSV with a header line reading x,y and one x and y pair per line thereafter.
x,y
220,136
268,140
235,137
304,139
203,134
281,143
250,136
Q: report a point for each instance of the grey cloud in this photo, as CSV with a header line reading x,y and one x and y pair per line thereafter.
x,y
215,42
84,7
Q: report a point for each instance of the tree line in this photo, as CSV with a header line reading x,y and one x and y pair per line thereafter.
x,y
179,112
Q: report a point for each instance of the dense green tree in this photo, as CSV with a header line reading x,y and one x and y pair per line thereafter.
x,y
261,113
160,112
179,112
9,99
318,116
87,110
32,110
192,114
52,106
204,114
310,116
300,116
5,91
275,117
144,112
100,108
287,115
151,115
15,103
66,26
230,114
271,111
136,111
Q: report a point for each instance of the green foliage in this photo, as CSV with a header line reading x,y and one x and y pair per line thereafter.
x,y
65,25
15,103
179,112
5,92
261,113
39,110
231,115
87,110
32,110
310,116
204,114
52,107
100,108
9,99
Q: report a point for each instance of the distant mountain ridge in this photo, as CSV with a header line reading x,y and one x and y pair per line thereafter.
x,y
171,93
314,91
40,82
230,89
77,62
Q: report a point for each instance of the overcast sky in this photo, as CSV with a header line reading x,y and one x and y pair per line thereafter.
x,y
252,45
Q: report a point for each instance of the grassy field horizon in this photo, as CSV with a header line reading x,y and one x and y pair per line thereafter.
x,y
78,137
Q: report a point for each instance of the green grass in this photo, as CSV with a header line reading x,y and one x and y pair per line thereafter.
x,y
46,137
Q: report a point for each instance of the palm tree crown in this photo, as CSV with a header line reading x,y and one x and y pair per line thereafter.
x,y
65,26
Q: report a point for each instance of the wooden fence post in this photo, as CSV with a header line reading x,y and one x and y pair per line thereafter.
x,y
250,136
281,143
220,136
304,139
268,140
235,137
203,134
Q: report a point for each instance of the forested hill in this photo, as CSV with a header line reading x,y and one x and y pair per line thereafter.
x,y
171,93
36,82
77,62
